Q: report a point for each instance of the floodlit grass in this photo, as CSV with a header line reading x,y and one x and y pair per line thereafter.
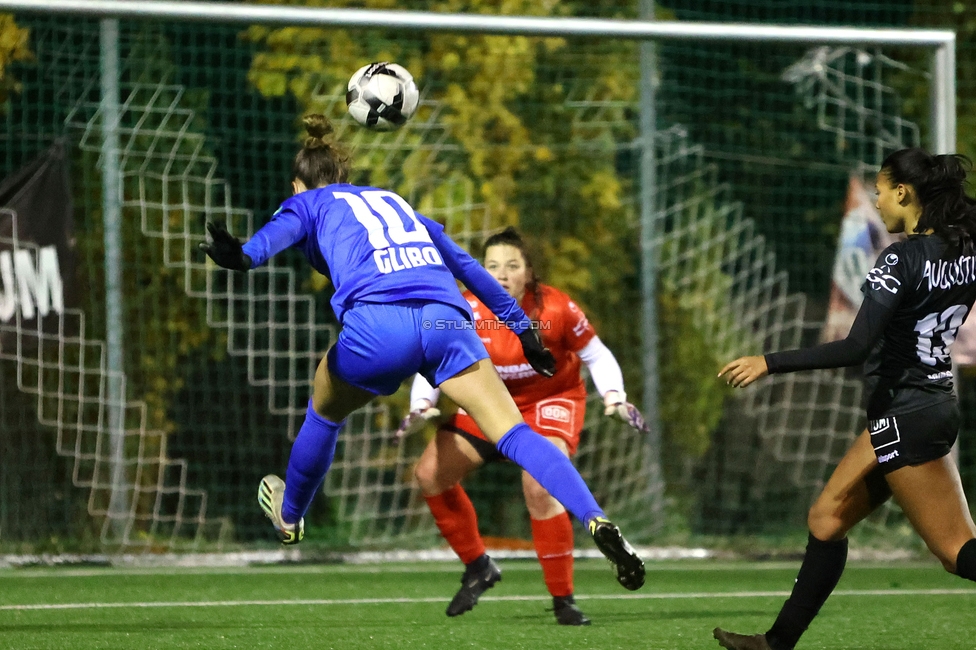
x,y
402,606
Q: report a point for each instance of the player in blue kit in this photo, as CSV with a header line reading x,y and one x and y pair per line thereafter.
x,y
401,313
915,300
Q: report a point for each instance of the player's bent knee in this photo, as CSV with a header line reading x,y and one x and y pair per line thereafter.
x,y
426,474
826,526
544,508
536,496
819,522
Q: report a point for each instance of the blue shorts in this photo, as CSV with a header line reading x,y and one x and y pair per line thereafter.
x,y
380,345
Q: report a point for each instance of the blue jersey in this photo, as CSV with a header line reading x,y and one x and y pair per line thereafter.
x,y
375,248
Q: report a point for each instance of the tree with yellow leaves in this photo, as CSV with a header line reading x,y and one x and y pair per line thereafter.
x,y
13,48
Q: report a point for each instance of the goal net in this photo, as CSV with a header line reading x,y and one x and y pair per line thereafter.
x,y
754,152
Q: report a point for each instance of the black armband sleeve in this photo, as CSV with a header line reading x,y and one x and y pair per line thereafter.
x,y
869,325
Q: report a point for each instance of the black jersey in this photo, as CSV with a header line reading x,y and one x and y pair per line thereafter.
x,y
931,296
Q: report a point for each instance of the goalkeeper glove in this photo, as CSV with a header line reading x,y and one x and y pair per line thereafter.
x,y
415,420
225,249
616,405
538,355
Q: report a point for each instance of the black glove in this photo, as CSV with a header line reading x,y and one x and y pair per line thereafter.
x,y
538,356
225,249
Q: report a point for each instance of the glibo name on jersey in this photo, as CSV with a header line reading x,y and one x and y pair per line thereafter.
x,y
942,274
398,258
385,216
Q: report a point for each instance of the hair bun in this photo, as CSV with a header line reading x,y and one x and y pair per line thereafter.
x,y
319,129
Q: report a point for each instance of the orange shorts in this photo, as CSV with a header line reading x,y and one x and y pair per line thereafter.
x,y
553,417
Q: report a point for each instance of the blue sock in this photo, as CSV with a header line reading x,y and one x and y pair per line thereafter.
x,y
311,457
551,468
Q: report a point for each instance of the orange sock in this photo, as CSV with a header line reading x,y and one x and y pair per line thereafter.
x,y
553,539
458,522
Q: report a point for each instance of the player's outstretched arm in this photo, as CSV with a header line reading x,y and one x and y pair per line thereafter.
x,y
744,370
869,325
609,381
286,228
225,249
474,276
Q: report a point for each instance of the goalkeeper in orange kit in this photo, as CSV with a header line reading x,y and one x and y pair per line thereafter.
x,y
554,407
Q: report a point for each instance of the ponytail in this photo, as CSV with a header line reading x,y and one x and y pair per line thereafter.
x,y
321,160
940,186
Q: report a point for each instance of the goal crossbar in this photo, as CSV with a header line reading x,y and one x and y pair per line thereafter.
x,y
525,25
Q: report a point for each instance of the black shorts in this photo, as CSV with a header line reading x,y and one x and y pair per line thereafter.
x,y
487,450
914,438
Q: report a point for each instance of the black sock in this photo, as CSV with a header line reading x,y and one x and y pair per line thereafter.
x,y
822,567
966,561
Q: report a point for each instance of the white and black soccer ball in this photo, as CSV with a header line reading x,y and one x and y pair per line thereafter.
x,y
382,95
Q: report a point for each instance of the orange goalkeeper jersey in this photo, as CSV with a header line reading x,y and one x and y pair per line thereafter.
x,y
565,331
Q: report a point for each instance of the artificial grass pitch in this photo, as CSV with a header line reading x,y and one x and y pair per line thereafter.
x,y
879,607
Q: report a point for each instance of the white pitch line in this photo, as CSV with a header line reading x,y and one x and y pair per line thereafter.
x,y
433,567
388,601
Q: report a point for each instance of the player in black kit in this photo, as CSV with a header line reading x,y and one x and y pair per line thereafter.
x,y
916,297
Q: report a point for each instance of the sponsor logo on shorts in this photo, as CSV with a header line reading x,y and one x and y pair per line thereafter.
x,y
557,415
887,457
554,412
884,433
935,376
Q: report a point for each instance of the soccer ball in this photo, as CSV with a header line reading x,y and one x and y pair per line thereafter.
x,y
382,95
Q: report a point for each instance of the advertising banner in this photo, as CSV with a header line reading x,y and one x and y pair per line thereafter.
x,y
37,259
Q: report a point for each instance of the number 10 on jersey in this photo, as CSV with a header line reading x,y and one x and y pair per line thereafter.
x,y
385,215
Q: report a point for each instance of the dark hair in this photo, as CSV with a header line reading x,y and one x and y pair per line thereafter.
x,y
321,160
511,237
940,186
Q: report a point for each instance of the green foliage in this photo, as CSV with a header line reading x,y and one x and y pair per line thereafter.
x,y
163,325
13,47
692,398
